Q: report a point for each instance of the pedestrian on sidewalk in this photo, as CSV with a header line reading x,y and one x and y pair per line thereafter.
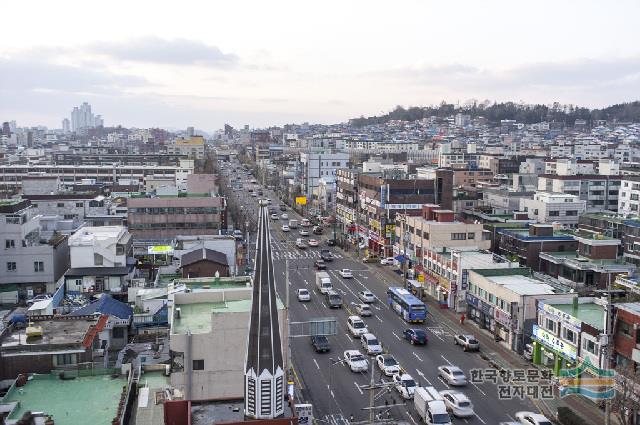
x,y
462,319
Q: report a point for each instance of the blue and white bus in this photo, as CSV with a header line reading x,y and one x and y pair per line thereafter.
x,y
408,306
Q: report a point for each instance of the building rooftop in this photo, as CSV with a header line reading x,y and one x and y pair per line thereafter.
x,y
569,255
590,313
523,285
83,400
148,411
55,332
524,235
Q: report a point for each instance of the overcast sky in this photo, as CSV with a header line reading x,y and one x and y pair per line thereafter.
x,y
175,64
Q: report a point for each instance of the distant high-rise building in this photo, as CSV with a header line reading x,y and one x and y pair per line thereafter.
x,y
13,126
190,131
66,125
6,130
82,117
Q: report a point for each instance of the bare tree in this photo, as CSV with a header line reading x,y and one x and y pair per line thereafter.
x,y
626,401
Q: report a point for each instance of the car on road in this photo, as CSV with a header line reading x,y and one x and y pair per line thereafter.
x,y
452,375
356,326
303,295
303,232
284,216
313,242
320,265
530,418
370,259
415,336
326,255
283,208
356,361
274,216
331,242
320,343
468,342
370,344
366,296
345,273
254,194
457,403
41,297
237,234
300,244
334,299
317,230
305,223
388,364
285,228
363,310
404,384
389,261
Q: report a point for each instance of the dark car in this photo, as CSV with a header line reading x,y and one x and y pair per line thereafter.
x,y
334,300
415,336
320,343
260,193
320,265
331,242
326,255
317,230
283,208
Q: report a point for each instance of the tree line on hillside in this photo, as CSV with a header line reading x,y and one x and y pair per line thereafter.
x,y
494,113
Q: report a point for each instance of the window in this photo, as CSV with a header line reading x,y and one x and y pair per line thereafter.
x,y
79,204
38,266
554,213
118,332
97,259
589,346
569,335
11,266
458,236
572,213
65,359
60,205
624,329
9,243
471,235
198,365
550,325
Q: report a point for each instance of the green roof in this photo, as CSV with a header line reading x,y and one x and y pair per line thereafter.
x,y
516,271
590,313
83,400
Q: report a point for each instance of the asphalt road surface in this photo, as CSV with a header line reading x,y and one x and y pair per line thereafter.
x,y
333,389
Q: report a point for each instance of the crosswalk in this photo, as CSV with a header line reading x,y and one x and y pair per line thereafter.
x,y
310,254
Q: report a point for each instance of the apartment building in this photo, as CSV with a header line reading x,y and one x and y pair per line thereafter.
x,y
29,263
599,191
165,218
193,147
318,164
559,208
99,259
629,198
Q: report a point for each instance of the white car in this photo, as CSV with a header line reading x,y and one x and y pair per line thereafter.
x,y
388,364
303,295
345,273
405,385
363,310
457,403
366,296
284,216
387,261
356,361
452,375
303,232
370,344
530,418
274,216
356,326
285,228
41,297
313,242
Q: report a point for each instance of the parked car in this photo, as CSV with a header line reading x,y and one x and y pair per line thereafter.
x,y
452,375
320,343
370,344
41,297
237,234
370,259
285,228
320,265
313,242
388,364
363,310
303,232
389,261
468,342
457,403
345,273
331,242
530,418
415,336
303,295
366,296
356,361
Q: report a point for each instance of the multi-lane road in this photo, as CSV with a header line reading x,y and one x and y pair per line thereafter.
x,y
332,388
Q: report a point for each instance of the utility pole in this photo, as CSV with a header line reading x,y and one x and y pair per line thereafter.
x,y
607,402
287,357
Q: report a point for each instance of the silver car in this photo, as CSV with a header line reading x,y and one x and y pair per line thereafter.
x,y
468,342
452,375
457,403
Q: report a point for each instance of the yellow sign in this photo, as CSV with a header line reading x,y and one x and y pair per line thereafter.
x,y
160,249
420,277
301,200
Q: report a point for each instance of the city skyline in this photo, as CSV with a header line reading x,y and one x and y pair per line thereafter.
x,y
315,65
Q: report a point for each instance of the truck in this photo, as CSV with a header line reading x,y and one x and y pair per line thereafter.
x,y
323,282
430,406
293,224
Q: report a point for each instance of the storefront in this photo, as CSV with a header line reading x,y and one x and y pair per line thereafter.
x,y
551,351
480,312
437,287
503,327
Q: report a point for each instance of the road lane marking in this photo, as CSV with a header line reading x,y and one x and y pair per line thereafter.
x,y
478,388
511,418
443,358
417,356
358,387
305,306
424,377
444,381
394,334
481,420
411,417
316,363
376,307
377,317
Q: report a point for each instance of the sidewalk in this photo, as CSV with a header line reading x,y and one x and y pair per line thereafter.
x,y
500,356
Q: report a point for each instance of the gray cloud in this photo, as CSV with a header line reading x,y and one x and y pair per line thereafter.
x,y
158,50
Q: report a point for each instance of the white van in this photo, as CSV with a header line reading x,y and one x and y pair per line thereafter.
x,y
430,406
